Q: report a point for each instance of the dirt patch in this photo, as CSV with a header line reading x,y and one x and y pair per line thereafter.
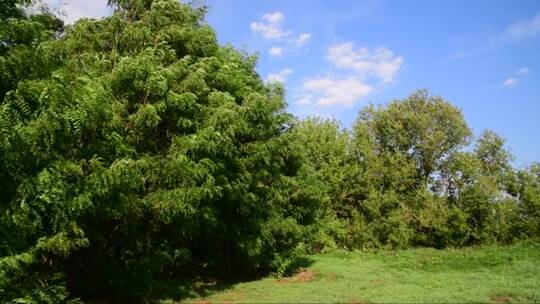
x,y
377,282
356,301
303,276
234,295
330,277
501,300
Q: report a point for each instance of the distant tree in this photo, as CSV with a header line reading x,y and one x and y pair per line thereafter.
x,y
423,128
402,177
491,152
529,194
496,160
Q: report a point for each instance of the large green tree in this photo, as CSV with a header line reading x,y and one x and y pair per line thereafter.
x,y
135,146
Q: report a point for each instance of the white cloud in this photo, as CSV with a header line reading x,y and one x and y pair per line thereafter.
x,y
510,82
75,9
280,76
329,91
513,81
380,62
523,71
364,70
302,39
274,17
524,28
271,26
276,51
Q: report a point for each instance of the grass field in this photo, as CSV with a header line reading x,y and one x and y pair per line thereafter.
x,y
487,275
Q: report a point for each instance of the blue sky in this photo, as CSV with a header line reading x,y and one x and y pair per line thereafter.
x,y
336,56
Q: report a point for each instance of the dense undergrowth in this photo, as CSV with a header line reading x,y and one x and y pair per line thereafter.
x,y
135,150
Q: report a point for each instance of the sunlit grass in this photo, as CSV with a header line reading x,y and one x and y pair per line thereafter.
x,y
488,275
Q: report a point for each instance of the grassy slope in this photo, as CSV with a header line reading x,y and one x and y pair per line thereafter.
x,y
490,274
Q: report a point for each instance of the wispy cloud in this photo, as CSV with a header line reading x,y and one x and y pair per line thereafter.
x,y
302,39
276,51
514,32
486,47
512,82
523,71
524,28
280,76
271,27
362,70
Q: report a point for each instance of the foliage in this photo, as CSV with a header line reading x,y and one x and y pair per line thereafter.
x,y
403,178
134,147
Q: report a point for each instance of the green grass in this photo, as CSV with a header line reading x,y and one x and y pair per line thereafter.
x,y
487,275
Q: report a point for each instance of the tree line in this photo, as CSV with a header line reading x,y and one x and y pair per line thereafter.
x,y
135,148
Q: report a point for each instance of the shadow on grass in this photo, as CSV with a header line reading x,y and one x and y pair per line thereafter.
x,y
199,286
297,264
